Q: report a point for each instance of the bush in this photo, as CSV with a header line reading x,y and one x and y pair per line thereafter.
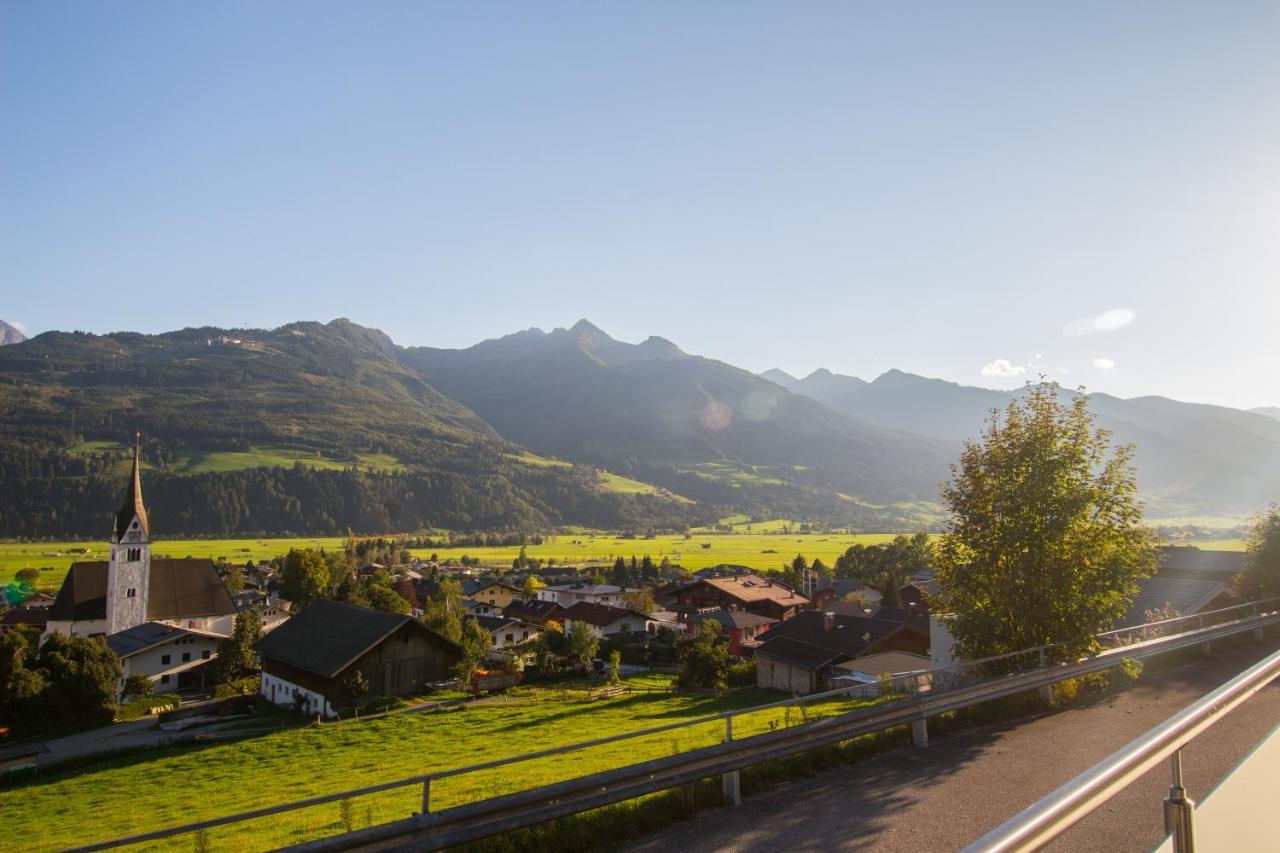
x,y
742,673
136,687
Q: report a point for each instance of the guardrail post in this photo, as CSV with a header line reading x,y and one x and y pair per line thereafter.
x,y
731,785
920,732
728,729
1257,632
1180,811
426,795
1046,692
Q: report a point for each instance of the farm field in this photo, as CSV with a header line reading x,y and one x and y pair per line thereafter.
x,y
190,462
749,545
177,785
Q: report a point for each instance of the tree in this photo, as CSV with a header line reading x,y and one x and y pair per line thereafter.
x,y
704,660
640,600
531,586
582,646
1045,542
1261,576
385,598
443,613
233,579
136,687
27,576
615,666
353,688
22,683
236,657
82,674
475,643
886,567
305,576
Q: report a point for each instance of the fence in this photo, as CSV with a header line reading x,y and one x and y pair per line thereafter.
x,y
648,760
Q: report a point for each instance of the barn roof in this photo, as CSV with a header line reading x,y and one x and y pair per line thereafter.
x,y
328,636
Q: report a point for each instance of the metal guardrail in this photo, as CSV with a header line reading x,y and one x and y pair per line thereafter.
x,y
1045,820
432,830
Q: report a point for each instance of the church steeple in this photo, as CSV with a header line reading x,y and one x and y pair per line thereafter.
x,y
133,506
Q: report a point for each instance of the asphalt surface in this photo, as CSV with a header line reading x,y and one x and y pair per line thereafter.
x,y
962,785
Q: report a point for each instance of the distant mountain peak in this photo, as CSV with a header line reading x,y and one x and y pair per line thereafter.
x,y
10,334
586,327
779,376
1269,411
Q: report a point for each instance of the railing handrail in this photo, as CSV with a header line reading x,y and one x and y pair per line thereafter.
x,y
1146,626
1045,820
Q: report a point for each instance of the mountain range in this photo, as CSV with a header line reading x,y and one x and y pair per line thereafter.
x,y
318,427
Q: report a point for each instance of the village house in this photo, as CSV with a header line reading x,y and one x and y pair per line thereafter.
x,y
837,590
602,621
567,595
506,632
871,672
748,592
536,612
171,658
495,593
310,662
272,610
739,628
797,656
131,587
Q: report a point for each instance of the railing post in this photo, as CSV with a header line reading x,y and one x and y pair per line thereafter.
x,y
1257,632
1046,692
426,795
728,729
920,732
730,784
1180,811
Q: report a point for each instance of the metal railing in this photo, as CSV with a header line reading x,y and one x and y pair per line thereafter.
x,y
1045,820
907,698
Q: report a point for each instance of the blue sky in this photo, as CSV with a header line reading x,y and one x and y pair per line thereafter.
x,y
948,188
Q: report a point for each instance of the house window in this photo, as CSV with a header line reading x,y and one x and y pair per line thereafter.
x,y
164,679
186,657
132,593
164,660
204,655
511,638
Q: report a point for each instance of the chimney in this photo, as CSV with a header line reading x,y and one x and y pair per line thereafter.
x,y
828,621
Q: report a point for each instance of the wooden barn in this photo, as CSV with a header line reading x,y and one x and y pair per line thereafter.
x,y
311,661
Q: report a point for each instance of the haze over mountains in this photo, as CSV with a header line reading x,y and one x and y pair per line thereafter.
x,y
510,432
10,334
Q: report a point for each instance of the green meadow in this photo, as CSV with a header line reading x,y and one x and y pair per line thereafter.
x,y
191,462
175,785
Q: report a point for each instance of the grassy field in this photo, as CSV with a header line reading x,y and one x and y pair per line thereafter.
x,y
610,482
190,462
178,785
757,549
759,545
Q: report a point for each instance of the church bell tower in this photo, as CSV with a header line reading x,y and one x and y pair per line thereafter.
x,y
129,567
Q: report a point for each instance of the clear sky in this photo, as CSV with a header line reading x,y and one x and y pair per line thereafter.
x,y
974,191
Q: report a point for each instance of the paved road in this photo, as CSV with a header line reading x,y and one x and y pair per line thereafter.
x,y
942,797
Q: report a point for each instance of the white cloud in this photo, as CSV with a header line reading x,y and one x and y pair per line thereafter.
x,y
1002,367
1064,370
19,325
1039,356
1107,321
1104,364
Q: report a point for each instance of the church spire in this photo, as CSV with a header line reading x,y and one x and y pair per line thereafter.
x,y
133,506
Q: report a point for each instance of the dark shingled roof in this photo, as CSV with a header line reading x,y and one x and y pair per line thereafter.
x,y
1185,595
148,635
849,636
1188,558
178,589
600,615
731,618
798,653
327,636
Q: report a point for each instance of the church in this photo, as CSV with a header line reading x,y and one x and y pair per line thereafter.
x,y
121,596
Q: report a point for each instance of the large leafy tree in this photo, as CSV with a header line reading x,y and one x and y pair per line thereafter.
x,y
475,643
886,567
443,613
81,675
305,576
1045,542
1261,575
